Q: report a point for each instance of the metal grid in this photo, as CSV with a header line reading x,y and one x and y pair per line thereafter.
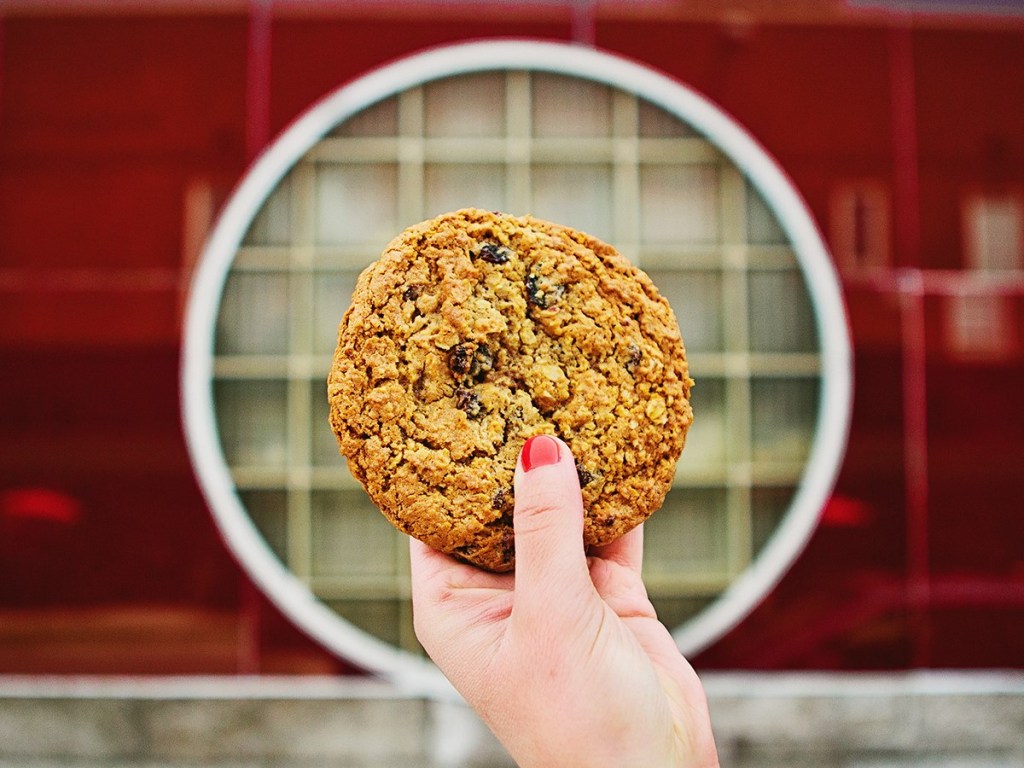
x,y
565,149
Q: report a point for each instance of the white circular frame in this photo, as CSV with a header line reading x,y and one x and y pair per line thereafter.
x,y
293,597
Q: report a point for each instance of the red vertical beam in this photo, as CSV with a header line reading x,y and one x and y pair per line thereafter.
x,y
913,331
3,30
250,634
584,23
257,78
907,227
257,136
915,459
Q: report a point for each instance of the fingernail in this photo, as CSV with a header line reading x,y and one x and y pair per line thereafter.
x,y
539,451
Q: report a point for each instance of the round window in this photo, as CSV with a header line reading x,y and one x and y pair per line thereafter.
x,y
570,135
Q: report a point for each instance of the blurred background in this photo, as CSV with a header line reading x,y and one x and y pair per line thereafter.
x,y
132,631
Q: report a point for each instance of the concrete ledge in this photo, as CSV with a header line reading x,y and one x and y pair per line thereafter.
x,y
939,719
970,719
233,721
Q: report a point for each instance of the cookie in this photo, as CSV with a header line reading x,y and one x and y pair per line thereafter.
x,y
475,331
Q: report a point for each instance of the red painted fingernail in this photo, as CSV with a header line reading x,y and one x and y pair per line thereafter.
x,y
539,451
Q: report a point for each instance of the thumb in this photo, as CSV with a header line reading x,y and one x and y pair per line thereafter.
x,y
548,523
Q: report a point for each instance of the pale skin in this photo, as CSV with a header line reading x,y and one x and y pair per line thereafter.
x,y
564,660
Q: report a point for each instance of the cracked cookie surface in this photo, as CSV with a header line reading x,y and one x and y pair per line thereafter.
x,y
475,331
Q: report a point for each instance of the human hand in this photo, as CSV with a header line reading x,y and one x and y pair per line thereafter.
x,y
564,659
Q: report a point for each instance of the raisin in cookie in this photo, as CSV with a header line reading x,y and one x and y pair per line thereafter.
x,y
475,331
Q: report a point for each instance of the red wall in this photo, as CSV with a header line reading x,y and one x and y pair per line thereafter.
x,y
109,559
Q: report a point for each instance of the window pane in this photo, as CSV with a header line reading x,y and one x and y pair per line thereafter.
x,y
768,505
762,226
356,203
350,537
781,317
252,422
253,316
567,106
381,618
979,325
696,299
466,106
332,294
687,535
673,611
273,224
656,123
706,440
451,187
679,203
268,510
784,413
378,120
323,444
579,196
995,231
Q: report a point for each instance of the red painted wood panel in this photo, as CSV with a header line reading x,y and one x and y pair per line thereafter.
x,y
108,122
